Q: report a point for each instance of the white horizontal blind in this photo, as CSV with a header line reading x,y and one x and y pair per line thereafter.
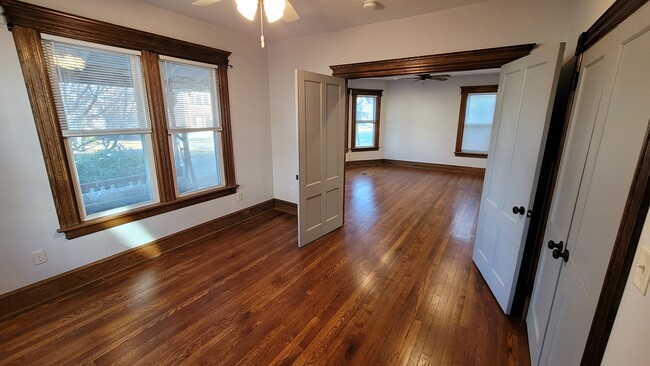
x,y
479,115
96,91
191,96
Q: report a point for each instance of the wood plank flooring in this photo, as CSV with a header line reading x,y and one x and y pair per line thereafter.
x,y
394,286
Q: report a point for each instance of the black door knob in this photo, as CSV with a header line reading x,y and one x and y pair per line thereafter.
x,y
559,254
554,245
518,210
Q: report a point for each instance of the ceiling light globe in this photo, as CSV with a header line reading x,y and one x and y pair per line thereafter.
x,y
247,8
274,9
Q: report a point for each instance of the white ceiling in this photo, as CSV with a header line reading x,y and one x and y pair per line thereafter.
x,y
316,16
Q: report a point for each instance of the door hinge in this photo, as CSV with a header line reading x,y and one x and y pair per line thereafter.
x,y
296,176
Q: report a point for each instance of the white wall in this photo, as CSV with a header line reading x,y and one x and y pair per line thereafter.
x,y
422,120
487,24
28,220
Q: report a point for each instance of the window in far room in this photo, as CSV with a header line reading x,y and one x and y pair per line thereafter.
x,y
366,106
477,107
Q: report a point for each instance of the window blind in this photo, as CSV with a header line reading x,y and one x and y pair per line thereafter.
x,y
96,91
191,96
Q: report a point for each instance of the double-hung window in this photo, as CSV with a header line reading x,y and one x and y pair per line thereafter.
x,y
194,122
131,124
366,105
102,109
477,106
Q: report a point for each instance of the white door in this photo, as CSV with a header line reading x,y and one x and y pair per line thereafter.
x,y
524,103
623,116
321,137
580,134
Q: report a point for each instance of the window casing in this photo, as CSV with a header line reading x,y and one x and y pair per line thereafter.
x,y
366,108
477,106
100,111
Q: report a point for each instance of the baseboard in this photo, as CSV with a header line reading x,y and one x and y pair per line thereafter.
x,y
284,206
418,165
22,299
354,163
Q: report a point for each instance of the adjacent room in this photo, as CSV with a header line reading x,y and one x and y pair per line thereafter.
x,y
330,182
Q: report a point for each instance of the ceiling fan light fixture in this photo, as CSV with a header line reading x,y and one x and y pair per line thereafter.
x,y
247,8
274,9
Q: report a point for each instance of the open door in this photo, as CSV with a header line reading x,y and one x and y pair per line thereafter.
x,y
321,142
527,89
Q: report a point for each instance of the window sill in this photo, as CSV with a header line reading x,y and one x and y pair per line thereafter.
x,y
470,155
357,149
99,224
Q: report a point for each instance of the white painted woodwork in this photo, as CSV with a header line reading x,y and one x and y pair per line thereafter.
x,y
579,137
527,89
623,115
321,140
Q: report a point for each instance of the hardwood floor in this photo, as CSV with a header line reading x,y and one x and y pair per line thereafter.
x,y
396,285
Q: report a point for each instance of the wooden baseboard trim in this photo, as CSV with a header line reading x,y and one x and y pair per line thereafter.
x,y
286,207
22,299
418,165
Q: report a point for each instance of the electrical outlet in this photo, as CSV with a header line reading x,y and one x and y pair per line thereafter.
x,y
39,257
238,196
641,271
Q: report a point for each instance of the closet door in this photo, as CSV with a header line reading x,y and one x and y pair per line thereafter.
x,y
620,126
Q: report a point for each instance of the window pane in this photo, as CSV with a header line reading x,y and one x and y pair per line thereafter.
x,y
365,135
96,90
197,160
112,170
478,122
366,108
191,95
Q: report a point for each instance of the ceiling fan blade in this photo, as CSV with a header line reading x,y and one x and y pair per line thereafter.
x,y
438,78
204,2
290,14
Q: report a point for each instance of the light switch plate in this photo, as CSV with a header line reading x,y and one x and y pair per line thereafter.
x,y
641,271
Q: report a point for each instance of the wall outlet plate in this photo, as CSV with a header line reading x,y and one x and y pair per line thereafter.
x,y
39,257
641,271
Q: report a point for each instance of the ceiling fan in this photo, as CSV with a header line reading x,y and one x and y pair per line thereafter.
x,y
425,77
273,9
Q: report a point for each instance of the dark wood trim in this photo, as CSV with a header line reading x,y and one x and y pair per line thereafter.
x,y
372,92
62,24
464,93
32,62
615,15
372,162
226,134
35,72
359,149
159,132
620,263
92,226
437,167
487,58
286,207
22,299
465,154
418,165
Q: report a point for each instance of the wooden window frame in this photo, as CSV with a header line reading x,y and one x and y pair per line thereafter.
x,y
365,92
27,22
464,94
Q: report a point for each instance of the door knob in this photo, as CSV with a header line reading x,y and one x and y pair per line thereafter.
x,y
518,210
559,254
554,245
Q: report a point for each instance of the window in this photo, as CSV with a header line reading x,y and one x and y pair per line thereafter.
x,y
131,124
477,105
366,106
